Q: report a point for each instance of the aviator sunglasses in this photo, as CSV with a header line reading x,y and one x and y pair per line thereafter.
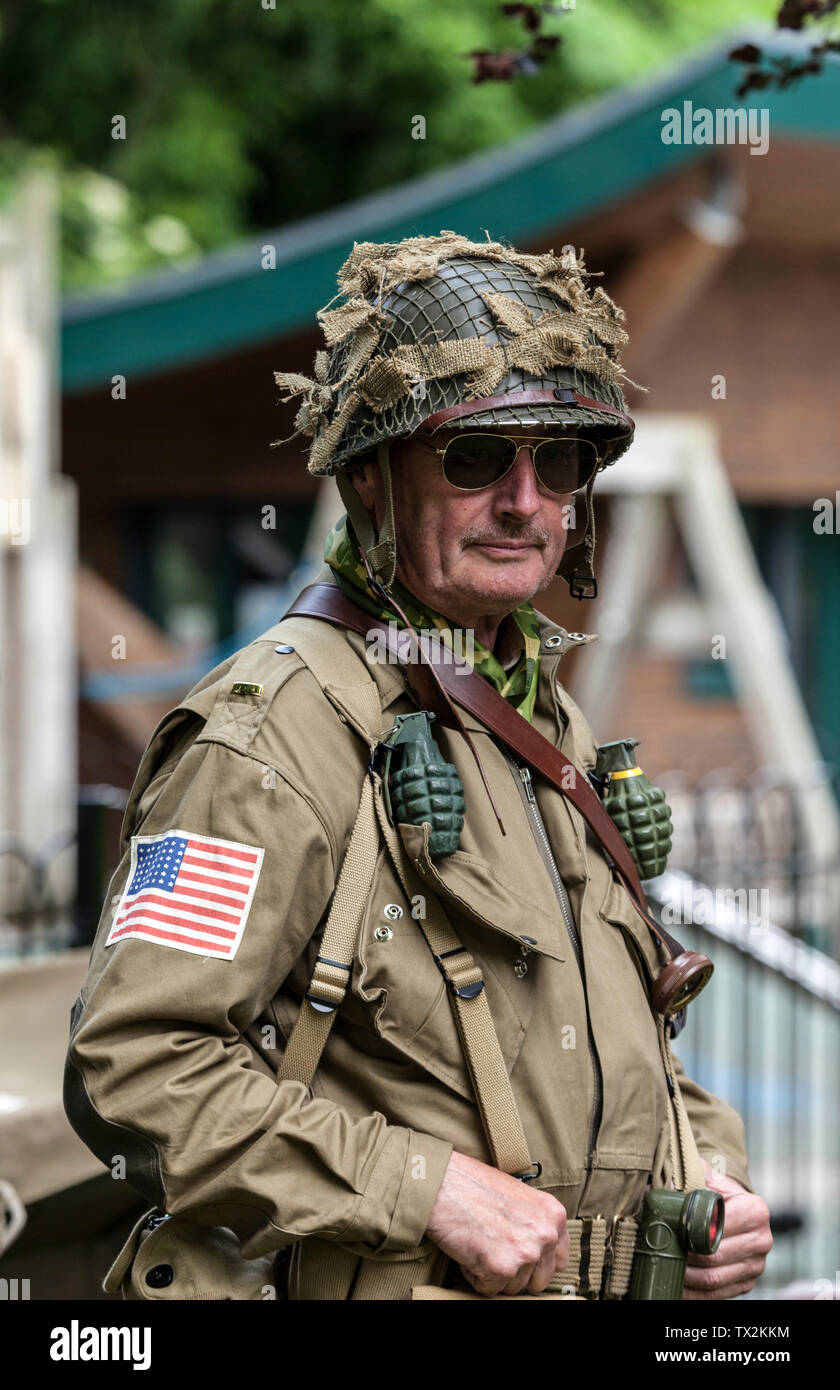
x,y
563,464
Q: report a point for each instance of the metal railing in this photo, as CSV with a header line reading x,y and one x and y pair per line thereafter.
x,y
749,837
39,911
743,886
765,1037
42,912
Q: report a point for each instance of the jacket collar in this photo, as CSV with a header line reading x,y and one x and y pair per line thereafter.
x,y
555,640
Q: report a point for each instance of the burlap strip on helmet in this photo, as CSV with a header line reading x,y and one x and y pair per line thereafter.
x,y
586,335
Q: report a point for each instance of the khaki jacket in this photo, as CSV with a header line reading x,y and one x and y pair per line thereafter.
x,y
173,1053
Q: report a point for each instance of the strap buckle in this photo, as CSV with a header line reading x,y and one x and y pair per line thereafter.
x,y
325,1006
583,586
530,1177
376,753
376,585
676,1022
464,991
609,1258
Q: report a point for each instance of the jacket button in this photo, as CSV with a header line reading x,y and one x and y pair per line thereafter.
x,y
519,969
282,649
383,934
394,911
160,1276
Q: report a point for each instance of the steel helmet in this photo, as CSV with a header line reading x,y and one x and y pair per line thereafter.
x,y
443,332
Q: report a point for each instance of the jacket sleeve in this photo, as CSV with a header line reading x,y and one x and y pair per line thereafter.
x,y
158,1073
717,1128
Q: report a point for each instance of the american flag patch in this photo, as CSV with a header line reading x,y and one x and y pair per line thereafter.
x,y
187,891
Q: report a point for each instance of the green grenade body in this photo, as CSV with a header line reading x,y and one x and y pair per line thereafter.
x,y
638,809
423,787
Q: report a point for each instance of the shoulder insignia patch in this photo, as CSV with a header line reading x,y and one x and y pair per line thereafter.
x,y
191,892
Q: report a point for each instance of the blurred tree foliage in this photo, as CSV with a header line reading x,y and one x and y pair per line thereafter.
x,y
240,116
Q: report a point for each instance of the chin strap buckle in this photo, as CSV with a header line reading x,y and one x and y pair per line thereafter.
x,y
583,586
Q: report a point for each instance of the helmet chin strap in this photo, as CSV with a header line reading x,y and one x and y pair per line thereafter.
x,y
577,566
381,550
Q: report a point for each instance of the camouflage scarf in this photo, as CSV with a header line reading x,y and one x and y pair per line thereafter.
x,y
519,686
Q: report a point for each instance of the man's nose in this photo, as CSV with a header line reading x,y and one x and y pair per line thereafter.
x,y
518,490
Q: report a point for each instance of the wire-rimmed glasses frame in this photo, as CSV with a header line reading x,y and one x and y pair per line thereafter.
x,y
589,463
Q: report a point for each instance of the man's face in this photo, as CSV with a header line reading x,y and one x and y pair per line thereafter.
x,y
484,551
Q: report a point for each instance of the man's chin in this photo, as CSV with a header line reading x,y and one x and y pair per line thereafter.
x,y
505,579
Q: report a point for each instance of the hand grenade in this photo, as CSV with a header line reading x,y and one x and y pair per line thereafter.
x,y
423,788
638,809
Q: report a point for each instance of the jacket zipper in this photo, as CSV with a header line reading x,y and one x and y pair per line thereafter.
x,y
538,828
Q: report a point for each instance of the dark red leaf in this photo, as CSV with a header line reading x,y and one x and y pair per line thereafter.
x,y
529,14
546,43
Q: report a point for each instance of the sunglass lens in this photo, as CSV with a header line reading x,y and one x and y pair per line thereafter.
x,y
564,465
477,460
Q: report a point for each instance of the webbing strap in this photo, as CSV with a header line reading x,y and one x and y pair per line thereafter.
x,y
322,1270
331,975
382,550
426,1293
600,1257
621,1257
599,1265
487,1067
686,1164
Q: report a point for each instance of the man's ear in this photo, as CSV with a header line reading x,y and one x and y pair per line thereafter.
x,y
363,477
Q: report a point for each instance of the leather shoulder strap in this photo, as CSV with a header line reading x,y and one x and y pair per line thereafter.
x,y
327,601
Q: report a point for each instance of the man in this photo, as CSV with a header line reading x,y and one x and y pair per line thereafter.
x,y
339,1110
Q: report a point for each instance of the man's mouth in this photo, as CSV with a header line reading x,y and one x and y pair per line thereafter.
x,y
506,547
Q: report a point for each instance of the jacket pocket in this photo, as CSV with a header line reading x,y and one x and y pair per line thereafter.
x,y
321,1269
397,993
472,887
169,1258
621,960
407,1000
619,909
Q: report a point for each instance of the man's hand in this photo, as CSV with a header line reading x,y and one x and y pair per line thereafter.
x,y
506,1236
740,1258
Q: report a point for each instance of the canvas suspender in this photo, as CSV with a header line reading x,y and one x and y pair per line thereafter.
x,y
463,977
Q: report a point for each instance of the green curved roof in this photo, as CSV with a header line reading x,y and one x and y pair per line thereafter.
x,y
567,168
